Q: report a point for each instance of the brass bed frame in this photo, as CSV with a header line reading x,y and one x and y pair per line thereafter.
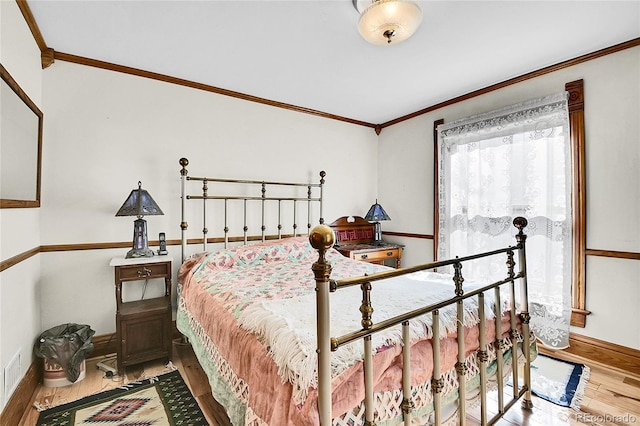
x,y
322,237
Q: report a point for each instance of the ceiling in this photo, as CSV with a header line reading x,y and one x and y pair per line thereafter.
x,y
308,53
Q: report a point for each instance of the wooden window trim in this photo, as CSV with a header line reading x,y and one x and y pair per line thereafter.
x,y
578,200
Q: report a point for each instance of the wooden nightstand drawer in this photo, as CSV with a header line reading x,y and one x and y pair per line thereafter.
x,y
374,256
143,271
372,253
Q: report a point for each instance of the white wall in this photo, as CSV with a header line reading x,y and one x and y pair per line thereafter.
x,y
405,186
612,108
19,228
105,131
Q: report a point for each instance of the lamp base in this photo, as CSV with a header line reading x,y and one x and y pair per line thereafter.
x,y
135,252
377,234
140,240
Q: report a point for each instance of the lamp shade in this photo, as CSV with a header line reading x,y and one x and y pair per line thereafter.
x,y
389,21
376,213
139,203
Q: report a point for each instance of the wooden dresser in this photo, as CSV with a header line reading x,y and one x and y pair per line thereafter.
x,y
354,239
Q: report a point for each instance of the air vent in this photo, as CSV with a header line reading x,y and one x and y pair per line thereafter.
x,y
12,375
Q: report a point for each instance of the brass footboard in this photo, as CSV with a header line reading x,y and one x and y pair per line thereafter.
x,y
321,238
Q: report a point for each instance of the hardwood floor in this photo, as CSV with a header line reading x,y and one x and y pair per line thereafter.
x,y
612,396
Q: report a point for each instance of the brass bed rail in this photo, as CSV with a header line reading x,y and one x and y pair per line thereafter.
x,y
314,195
321,239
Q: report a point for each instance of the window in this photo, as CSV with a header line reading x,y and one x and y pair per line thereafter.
x,y
513,162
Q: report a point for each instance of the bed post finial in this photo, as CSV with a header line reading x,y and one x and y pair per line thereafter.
x,y
184,163
520,223
321,238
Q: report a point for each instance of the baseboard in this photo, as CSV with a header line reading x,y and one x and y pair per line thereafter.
x,y
606,353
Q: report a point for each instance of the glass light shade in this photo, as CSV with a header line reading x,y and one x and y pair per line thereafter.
x,y
139,203
376,213
389,21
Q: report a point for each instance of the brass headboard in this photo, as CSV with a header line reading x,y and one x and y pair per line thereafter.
x,y
314,195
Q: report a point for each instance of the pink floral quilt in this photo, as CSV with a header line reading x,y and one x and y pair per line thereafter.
x,y
218,291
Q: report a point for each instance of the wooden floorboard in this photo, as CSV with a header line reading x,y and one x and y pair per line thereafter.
x,y
612,396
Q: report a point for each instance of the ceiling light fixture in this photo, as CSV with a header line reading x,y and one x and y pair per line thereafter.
x,y
384,22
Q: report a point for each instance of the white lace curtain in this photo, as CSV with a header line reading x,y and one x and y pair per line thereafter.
x,y
512,162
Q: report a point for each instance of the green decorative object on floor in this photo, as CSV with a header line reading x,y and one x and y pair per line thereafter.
x,y
163,399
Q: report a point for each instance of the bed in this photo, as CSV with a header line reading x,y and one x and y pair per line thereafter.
x,y
391,346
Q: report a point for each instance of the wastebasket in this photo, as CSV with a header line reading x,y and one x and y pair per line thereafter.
x,y
64,347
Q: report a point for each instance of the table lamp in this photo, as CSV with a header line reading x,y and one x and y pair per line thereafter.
x,y
375,214
139,203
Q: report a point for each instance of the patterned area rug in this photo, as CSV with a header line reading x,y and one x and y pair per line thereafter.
x,y
161,400
558,381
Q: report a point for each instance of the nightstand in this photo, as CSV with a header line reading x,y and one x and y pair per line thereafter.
x,y
143,327
354,239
